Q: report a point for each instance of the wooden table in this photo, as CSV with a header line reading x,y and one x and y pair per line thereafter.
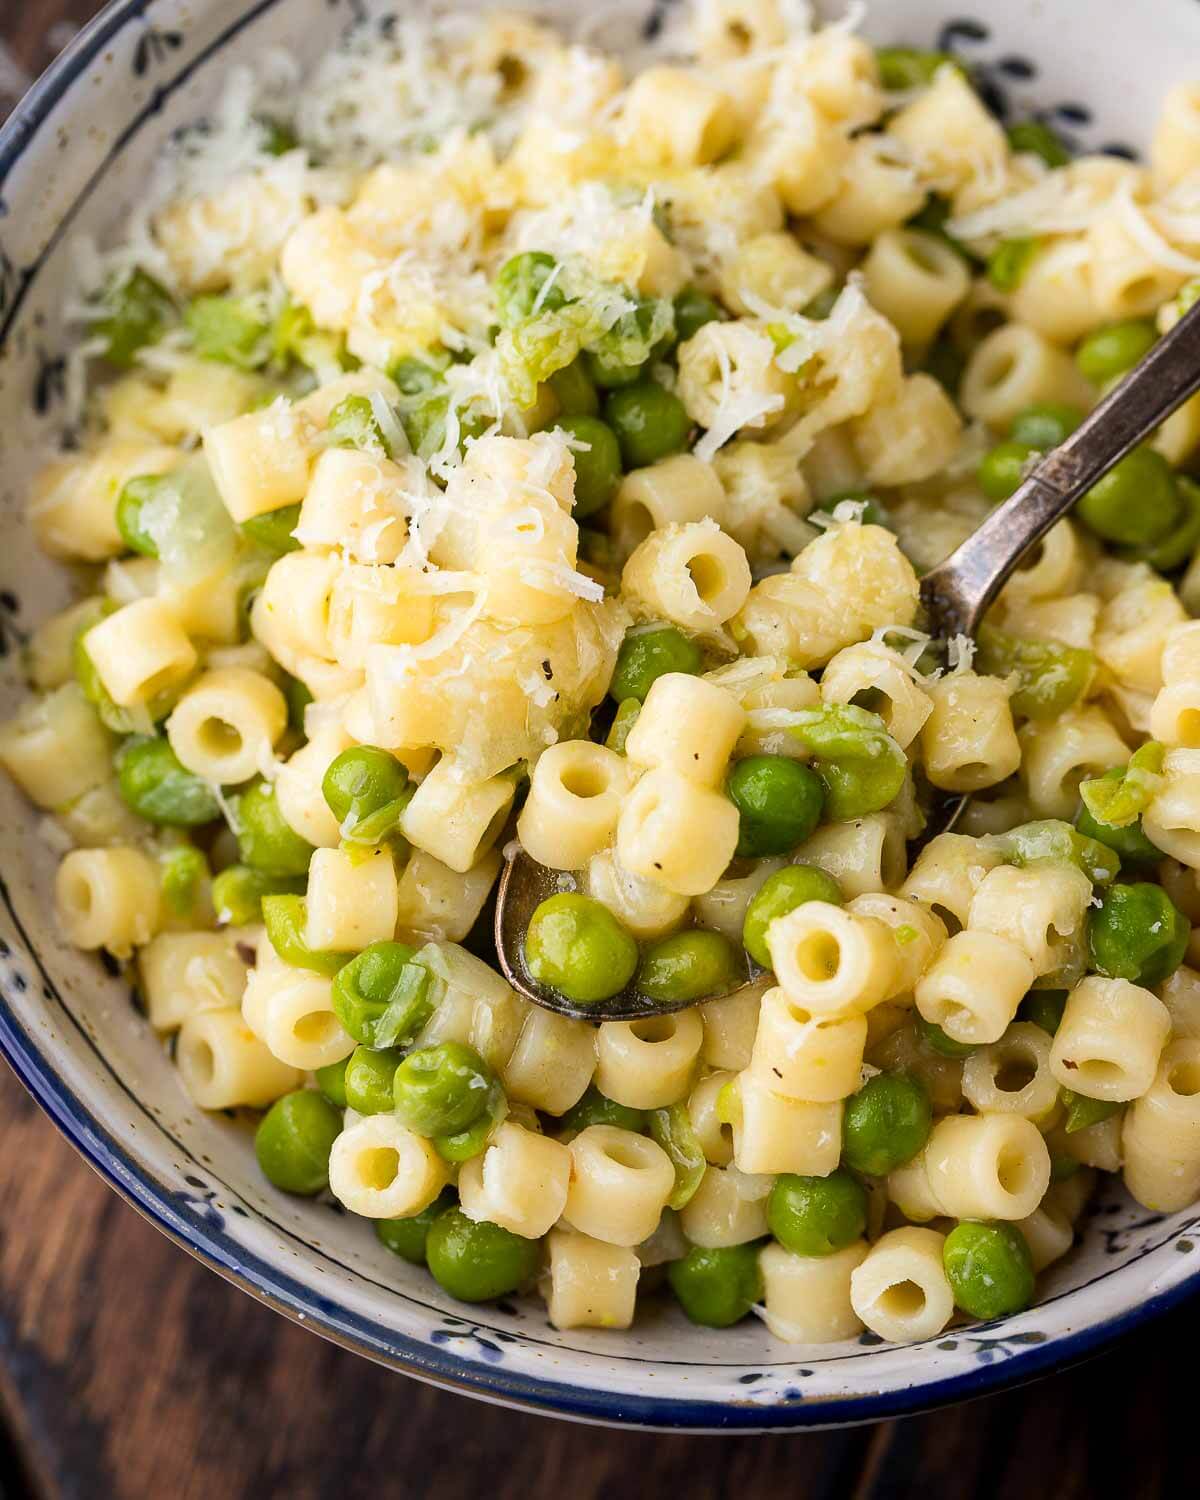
x,y
129,1372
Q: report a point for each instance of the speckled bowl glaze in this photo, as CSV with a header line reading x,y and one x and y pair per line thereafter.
x,y
72,158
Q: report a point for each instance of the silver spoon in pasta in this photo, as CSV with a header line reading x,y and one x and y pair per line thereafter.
x,y
955,596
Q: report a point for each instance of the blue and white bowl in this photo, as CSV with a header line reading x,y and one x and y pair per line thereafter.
x,y
72,158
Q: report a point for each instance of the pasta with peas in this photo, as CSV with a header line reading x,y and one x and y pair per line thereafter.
x,y
560,479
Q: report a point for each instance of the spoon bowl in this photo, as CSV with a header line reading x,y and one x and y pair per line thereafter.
x,y
955,596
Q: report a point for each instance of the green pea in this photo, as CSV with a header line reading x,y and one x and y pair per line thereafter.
x,y
597,465
413,376
595,1108
904,68
619,356
184,871
462,1145
1045,425
331,1080
156,786
1130,841
717,1288
609,372
1137,933
1044,1008
1040,140
650,423
1082,1111
1135,503
424,422
861,766
779,803
692,311
885,1123
874,512
132,313
476,1261
1063,1168
285,918
382,997
293,329
573,388
576,946
934,1037
229,330
1009,263
1182,541
273,529
367,790
1115,348
278,138
294,1139
989,1268
370,1079
931,219
353,424
135,504
624,719
1050,676
265,841
1003,467
442,1089
817,1215
298,698
1052,839
521,287
407,1237
238,891
688,966
647,655
779,894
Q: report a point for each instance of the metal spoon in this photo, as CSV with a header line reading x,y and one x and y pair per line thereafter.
x,y
955,595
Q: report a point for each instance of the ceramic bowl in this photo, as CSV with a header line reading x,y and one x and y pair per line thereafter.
x,y
72,158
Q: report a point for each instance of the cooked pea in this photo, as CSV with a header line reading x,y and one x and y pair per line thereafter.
x,y
861,766
1044,1008
475,1260
779,803
294,1139
370,1079
885,1123
1082,1111
462,1145
184,871
576,946
989,1268
595,1108
367,790
1137,934
624,719
331,1080
133,312
521,286
597,461
266,842
1136,502
442,1089
229,330
158,788
1115,348
1129,841
273,529
382,997
407,1237
648,654
688,966
1003,467
237,893
139,500
717,1288
817,1215
1050,676
573,388
1009,263
904,68
692,311
933,1036
649,421
779,894
1046,425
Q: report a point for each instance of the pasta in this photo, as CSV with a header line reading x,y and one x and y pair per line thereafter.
x,y
548,466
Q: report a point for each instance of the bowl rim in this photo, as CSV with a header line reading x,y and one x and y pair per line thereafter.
x,y
210,1245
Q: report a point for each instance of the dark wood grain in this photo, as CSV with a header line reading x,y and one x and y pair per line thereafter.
x,y
129,1372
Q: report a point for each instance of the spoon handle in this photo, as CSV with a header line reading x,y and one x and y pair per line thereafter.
x,y
958,591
